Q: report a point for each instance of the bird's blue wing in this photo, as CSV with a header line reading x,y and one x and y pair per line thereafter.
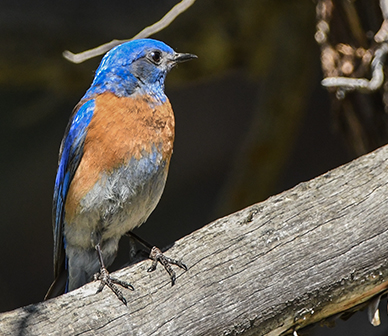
x,y
69,158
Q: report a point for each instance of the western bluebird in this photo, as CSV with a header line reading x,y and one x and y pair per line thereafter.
x,y
113,164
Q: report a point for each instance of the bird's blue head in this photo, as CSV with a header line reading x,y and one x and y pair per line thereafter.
x,y
138,66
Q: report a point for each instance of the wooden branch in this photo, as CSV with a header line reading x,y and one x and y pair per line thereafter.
x,y
304,255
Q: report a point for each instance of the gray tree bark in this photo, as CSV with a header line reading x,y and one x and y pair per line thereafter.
x,y
305,255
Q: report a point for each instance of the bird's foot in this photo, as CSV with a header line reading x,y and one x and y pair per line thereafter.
x,y
157,256
107,280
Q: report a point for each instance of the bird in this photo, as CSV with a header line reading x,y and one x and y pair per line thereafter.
x,y
113,165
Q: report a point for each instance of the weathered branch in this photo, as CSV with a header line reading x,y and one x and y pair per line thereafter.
x,y
344,84
146,32
297,258
350,84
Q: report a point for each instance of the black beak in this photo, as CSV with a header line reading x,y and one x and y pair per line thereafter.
x,y
179,58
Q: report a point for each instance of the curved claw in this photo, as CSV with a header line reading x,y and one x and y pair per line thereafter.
x,y
107,280
157,256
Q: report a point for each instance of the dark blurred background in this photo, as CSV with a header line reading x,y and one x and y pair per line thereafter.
x,y
252,118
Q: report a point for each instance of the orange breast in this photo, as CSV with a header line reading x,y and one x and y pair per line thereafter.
x,y
121,128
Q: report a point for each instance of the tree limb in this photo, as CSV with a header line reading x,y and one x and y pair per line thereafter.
x,y
305,255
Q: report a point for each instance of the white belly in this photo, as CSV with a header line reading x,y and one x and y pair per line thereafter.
x,y
120,201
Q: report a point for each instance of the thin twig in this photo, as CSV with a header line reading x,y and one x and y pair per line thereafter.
x,y
350,84
146,32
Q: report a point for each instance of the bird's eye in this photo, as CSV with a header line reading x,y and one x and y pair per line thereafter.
x,y
156,56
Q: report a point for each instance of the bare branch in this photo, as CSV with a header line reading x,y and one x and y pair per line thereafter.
x,y
350,84
88,54
146,32
345,84
166,20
